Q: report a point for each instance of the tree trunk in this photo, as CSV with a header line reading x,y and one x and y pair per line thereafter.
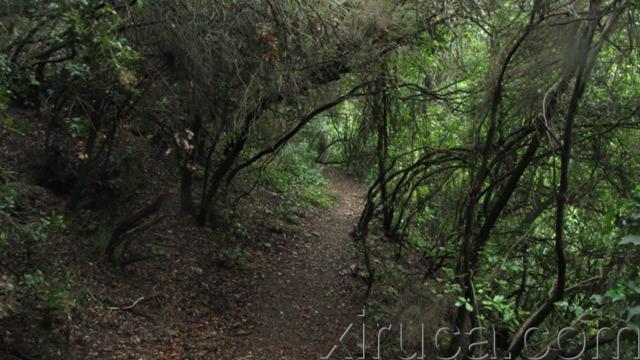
x,y
186,178
379,112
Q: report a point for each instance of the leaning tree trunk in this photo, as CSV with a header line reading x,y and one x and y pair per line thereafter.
x,y
221,170
380,113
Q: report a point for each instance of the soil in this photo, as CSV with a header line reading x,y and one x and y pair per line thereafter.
x,y
304,298
292,298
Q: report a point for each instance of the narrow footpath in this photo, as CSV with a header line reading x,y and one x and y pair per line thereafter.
x,y
305,299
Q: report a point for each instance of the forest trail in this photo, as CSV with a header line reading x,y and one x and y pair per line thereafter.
x,y
305,300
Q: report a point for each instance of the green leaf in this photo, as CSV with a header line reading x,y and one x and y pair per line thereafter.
x,y
469,307
633,312
630,239
8,120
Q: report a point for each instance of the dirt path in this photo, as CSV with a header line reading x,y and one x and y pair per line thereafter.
x,y
305,299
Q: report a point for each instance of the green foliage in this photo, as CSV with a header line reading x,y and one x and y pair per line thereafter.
x,y
8,197
48,292
462,130
376,310
16,125
55,294
452,123
295,175
75,126
630,220
102,54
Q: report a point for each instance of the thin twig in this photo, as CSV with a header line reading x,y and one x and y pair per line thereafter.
x,y
129,307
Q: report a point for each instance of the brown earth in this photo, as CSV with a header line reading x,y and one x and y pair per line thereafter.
x,y
303,297
293,299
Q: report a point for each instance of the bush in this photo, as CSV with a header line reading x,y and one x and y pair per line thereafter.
x,y
295,174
